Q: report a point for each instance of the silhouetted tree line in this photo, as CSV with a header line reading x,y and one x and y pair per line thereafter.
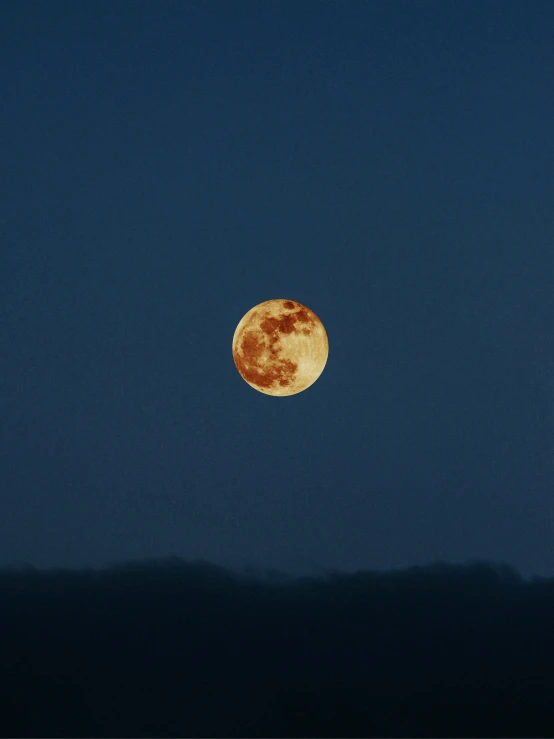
x,y
170,648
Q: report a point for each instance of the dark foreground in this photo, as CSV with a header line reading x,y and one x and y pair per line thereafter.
x,y
175,649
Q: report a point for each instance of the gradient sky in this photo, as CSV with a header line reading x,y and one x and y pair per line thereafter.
x,y
168,165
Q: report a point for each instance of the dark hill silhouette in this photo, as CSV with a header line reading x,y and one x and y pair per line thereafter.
x,y
170,648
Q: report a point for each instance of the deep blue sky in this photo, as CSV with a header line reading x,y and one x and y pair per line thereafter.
x,y
168,165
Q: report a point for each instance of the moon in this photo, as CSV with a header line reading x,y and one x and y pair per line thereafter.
x,y
280,347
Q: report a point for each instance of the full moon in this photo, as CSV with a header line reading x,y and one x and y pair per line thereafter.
x,y
280,347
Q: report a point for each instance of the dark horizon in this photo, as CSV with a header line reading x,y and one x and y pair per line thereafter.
x,y
176,648
256,570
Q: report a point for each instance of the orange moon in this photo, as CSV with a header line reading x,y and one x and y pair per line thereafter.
x,y
280,347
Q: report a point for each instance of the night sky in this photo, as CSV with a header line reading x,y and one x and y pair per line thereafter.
x,y
168,165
